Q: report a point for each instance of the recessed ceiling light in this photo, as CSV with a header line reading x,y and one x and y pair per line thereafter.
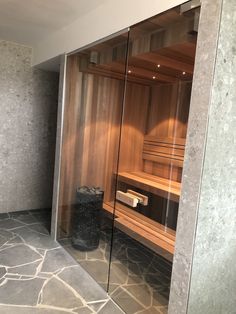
x,y
184,73
129,71
153,77
158,65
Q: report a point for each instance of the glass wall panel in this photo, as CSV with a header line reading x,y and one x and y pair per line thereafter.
x,y
92,120
125,125
154,127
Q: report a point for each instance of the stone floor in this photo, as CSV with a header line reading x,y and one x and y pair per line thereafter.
x,y
38,276
139,279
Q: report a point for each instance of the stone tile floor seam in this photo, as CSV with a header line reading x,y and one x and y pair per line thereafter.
x,y
37,276
139,279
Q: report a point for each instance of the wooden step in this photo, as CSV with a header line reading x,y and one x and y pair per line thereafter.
x,y
108,208
123,210
145,230
152,242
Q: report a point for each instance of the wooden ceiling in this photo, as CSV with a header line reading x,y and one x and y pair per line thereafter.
x,y
161,50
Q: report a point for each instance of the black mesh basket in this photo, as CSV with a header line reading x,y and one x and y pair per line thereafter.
x,y
86,218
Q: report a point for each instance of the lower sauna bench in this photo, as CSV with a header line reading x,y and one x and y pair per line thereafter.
x,y
143,229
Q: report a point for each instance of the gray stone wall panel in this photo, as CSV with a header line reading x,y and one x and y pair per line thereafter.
x,y
28,105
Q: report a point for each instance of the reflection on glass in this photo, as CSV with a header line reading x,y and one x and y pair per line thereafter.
x,y
125,125
93,108
154,127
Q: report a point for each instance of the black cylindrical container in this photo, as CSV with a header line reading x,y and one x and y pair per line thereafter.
x,y
86,218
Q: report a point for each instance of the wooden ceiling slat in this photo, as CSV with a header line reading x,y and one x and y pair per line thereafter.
x,y
167,40
168,62
142,72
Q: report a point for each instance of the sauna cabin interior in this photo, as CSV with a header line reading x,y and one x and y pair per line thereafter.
x,y
125,126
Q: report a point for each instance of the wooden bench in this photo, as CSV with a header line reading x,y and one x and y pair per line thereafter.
x,y
150,233
143,229
163,151
153,184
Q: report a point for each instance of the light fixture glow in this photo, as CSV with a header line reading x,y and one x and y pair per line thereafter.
x,y
158,65
184,73
153,77
129,71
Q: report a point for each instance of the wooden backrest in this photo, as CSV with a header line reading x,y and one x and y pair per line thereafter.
x,y
167,151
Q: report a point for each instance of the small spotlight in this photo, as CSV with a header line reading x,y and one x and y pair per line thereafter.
x,y
184,73
158,65
153,77
129,71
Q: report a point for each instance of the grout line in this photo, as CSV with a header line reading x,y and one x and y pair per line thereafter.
x,y
98,301
103,306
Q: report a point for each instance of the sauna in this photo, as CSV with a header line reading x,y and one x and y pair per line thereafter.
x,y
127,101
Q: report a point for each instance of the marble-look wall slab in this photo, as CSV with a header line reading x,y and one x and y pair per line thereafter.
x,y
28,106
213,279
204,75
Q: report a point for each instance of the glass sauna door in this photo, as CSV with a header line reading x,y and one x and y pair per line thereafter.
x,y
154,127
125,124
91,135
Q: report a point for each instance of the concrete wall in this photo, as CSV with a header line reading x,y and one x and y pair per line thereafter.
x,y
213,278
28,105
194,154
107,17
204,269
